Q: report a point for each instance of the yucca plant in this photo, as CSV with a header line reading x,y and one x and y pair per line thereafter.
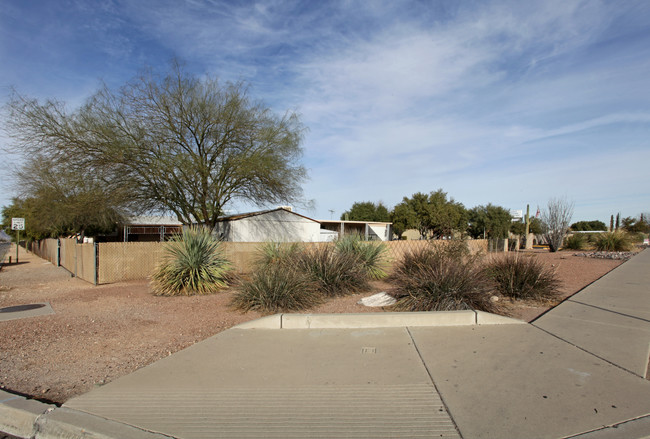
x,y
335,273
193,263
371,254
613,242
442,278
522,277
276,288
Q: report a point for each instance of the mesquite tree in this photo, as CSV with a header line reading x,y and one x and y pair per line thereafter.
x,y
179,143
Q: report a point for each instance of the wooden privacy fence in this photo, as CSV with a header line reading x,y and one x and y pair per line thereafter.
x,y
110,262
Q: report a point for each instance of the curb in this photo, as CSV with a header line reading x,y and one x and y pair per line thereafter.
x,y
377,320
30,419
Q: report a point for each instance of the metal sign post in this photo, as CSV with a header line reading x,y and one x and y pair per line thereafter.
x,y
17,224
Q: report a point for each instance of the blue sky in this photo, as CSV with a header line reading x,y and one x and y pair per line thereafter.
x,y
502,102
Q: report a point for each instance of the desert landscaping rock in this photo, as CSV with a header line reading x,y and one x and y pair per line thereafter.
x,y
619,256
379,299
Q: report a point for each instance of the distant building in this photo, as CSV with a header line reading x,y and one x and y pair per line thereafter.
x,y
150,228
370,230
277,225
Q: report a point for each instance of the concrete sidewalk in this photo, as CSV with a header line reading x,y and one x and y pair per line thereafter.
x,y
578,371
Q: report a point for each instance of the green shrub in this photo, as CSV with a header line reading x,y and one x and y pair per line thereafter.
x,y
371,254
522,277
336,273
274,253
635,237
276,288
613,242
441,278
575,242
192,263
591,238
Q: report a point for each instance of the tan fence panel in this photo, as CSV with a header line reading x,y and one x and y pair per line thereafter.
x,y
397,249
478,245
85,269
50,250
242,255
46,249
120,261
68,254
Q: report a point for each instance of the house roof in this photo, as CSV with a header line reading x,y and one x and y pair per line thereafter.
x,y
352,222
240,216
152,221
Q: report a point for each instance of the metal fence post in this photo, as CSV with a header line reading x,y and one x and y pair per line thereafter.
x,y
95,259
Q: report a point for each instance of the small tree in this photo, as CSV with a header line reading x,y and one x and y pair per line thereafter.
x,y
634,225
433,215
403,218
556,219
59,201
587,226
493,221
367,211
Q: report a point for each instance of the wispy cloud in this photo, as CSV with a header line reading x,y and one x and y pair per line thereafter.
x,y
500,101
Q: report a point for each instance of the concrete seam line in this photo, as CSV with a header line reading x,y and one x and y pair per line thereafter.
x,y
605,427
417,350
585,350
37,422
609,310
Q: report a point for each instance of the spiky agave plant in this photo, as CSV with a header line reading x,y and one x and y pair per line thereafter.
x,y
371,254
193,263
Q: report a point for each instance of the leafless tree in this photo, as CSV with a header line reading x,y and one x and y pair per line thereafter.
x,y
556,218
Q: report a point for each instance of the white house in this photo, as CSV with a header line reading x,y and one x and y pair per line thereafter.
x,y
370,230
150,228
277,225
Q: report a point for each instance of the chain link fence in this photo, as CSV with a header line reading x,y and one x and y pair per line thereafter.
x,y
110,262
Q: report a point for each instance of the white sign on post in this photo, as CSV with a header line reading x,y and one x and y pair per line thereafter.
x,y
17,223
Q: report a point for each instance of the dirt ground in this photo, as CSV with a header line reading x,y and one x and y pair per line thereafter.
x,y
99,333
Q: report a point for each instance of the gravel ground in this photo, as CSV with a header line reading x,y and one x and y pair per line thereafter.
x,y
100,333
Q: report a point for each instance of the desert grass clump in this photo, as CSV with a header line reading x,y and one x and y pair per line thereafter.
x,y
575,242
522,277
371,254
276,288
193,263
278,253
613,242
441,278
336,273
